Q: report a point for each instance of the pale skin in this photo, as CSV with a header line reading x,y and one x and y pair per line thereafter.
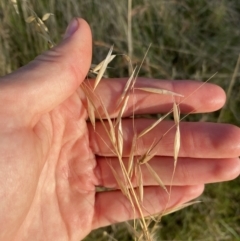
x,y
52,160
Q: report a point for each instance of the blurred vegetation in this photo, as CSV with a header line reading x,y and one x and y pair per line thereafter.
x,y
190,40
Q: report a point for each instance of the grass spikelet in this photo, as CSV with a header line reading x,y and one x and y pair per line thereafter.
x,y
146,158
97,68
122,108
121,185
120,138
156,177
91,113
176,115
146,130
46,16
103,68
140,182
15,5
159,91
30,19
42,25
111,133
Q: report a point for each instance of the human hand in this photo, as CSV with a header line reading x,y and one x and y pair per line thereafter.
x,y
52,160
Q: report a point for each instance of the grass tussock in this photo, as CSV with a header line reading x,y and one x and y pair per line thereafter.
x,y
189,40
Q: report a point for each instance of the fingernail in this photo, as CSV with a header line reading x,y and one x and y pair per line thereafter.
x,y
71,29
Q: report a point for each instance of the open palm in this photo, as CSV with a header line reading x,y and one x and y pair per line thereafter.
x,y
52,159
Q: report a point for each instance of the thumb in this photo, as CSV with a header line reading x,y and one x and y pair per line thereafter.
x,y
52,77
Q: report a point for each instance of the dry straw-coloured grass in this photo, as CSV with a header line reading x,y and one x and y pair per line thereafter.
x,y
115,133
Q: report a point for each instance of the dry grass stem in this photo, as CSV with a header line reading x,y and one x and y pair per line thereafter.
x,y
131,156
230,88
112,130
129,33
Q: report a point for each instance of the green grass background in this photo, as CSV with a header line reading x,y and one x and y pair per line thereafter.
x,y
190,40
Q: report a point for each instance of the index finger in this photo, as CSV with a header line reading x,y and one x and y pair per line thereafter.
x,y
198,96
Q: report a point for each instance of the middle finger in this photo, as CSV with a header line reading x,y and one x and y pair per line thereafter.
x,y
198,140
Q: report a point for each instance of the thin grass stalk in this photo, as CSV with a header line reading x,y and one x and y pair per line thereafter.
x,y
135,198
131,156
129,35
230,87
